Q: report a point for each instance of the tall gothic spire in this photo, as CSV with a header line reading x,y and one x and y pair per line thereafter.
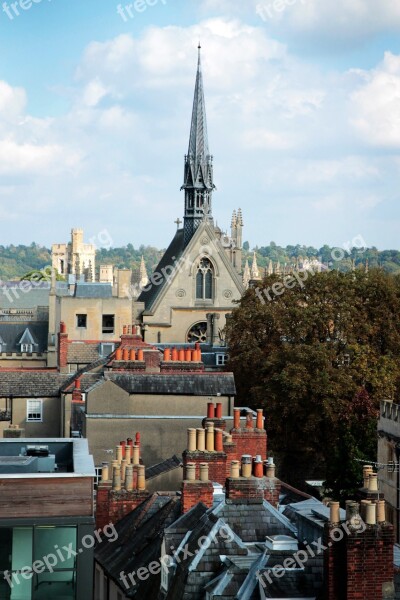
x,y
198,177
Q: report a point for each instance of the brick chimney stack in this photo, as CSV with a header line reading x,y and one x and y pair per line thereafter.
x,y
123,485
252,481
358,561
196,490
63,347
248,438
212,444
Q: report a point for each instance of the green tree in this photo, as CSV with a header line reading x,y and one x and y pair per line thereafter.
x,y
318,359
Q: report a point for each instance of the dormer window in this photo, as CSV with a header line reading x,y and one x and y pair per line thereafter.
x,y
26,347
27,343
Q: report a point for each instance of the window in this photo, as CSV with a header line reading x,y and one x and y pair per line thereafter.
x,y
106,349
204,280
26,347
221,359
108,323
81,321
34,410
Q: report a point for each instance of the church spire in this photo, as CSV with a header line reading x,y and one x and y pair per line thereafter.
x,y
198,177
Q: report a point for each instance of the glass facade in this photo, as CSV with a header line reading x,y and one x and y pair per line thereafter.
x,y
38,563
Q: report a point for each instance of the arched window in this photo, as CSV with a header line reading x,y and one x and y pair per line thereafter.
x,y
204,280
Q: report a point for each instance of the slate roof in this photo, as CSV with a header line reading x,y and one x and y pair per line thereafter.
x,y
11,334
190,384
13,296
168,261
30,383
139,543
163,467
93,290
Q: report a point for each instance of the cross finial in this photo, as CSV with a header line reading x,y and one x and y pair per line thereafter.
x,y
178,222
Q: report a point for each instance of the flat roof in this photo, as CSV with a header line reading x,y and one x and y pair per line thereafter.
x,y
72,454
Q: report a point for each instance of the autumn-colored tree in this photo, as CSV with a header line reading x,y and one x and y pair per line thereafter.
x,y
318,358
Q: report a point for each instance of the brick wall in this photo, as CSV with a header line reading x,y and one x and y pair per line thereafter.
x,y
194,492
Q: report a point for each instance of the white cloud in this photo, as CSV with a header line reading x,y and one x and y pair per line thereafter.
x,y
376,104
278,128
329,22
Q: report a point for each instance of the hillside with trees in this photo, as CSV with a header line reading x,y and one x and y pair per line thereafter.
x,y
16,261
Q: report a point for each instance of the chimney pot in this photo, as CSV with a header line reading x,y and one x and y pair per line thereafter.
x,y
380,511
334,512
141,478
236,418
219,444
192,440
123,469
370,514
136,455
260,419
116,484
129,478
128,454
235,469
218,410
203,471
210,410
246,465
373,483
105,474
201,440
119,454
270,468
210,438
190,471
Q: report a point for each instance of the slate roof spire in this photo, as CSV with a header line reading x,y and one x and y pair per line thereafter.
x,y
198,176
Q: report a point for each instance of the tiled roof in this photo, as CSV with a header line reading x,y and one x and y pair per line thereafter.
x,y
30,383
193,384
83,352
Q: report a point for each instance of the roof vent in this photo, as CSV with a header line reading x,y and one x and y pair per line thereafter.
x,y
281,543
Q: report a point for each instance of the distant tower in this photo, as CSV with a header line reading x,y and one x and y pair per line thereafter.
x,y
75,258
270,267
234,226
198,176
246,274
255,273
143,277
239,229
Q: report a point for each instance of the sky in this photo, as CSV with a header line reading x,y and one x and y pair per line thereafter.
x,y
303,108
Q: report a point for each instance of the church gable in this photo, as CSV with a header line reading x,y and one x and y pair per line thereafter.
x,y
201,275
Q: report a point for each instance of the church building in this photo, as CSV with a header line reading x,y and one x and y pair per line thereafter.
x,y
200,275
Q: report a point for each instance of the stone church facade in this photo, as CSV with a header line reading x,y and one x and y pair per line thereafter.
x,y
200,275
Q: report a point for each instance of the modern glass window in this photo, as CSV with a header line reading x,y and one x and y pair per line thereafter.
x,y
108,323
25,548
34,410
204,280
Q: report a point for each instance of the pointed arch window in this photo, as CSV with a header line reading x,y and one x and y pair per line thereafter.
x,y
204,280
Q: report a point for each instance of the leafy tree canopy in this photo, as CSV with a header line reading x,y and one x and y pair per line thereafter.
x,y
319,358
